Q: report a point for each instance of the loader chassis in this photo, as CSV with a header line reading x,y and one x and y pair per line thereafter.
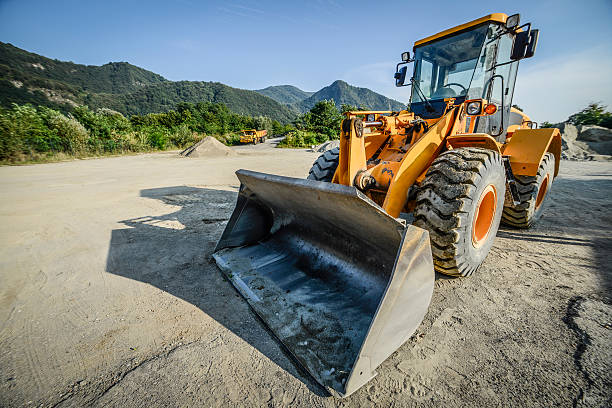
x,y
340,266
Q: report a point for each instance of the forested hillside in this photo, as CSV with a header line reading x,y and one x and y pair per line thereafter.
x,y
165,96
343,93
287,94
26,77
30,78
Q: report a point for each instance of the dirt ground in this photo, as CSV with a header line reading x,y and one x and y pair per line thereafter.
x,y
108,297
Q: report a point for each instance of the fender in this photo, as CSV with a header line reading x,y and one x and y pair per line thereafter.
x,y
473,140
527,147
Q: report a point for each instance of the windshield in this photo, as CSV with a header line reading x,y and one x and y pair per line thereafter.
x,y
444,68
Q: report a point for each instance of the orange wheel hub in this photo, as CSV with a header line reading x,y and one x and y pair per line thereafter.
x,y
542,192
485,213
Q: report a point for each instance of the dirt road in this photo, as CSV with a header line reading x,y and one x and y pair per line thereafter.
x,y
108,297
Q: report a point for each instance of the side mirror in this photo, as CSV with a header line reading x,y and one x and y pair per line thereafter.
x,y
406,56
400,76
519,48
533,43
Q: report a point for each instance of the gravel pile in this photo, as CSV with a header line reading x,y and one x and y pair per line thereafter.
x,y
208,147
585,142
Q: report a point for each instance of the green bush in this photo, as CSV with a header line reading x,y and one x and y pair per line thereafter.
x,y
157,137
301,138
230,139
29,133
71,135
24,132
181,136
320,124
323,119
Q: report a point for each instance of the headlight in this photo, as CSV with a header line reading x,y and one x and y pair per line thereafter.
x,y
473,108
371,117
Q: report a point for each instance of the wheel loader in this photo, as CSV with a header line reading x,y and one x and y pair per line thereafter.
x,y
340,266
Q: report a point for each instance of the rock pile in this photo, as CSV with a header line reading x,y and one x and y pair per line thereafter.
x,y
208,147
586,142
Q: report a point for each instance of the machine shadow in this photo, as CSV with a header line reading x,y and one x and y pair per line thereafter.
x,y
173,253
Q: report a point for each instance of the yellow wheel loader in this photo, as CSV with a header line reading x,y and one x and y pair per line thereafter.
x,y
340,266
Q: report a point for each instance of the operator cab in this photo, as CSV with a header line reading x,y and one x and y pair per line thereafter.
x,y
477,60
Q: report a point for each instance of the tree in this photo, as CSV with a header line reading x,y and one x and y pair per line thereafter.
x,y
323,119
594,114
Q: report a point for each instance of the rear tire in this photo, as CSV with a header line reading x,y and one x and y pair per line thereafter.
x,y
325,166
533,192
460,203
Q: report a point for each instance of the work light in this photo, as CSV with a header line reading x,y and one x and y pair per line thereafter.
x,y
513,21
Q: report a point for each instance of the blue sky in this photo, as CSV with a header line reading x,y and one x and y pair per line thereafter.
x,y
309,44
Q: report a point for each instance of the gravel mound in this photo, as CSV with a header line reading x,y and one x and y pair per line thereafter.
x,y
585,142
208,147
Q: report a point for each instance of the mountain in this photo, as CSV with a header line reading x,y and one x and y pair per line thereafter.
x,y
26,77
34,69
287,94
165,96
30,78
341,92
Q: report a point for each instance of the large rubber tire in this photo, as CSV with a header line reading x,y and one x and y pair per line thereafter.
x,y
533,192
325,166
460,203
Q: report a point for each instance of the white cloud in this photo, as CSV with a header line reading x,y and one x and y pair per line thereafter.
x,y
553,89
548,90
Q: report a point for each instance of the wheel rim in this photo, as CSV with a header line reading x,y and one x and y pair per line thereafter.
x,y
542,192
484,216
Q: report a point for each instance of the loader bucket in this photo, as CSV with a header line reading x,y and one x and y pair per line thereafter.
x,y
340,282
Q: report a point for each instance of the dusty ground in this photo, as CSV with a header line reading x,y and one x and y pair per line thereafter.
x,y
108,297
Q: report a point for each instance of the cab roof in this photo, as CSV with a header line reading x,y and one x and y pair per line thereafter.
x,y
495,17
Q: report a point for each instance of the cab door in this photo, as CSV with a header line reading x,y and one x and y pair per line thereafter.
x,y
502,88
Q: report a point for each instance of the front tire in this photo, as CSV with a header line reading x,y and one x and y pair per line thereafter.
x,y
325,166
533,192
460,203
